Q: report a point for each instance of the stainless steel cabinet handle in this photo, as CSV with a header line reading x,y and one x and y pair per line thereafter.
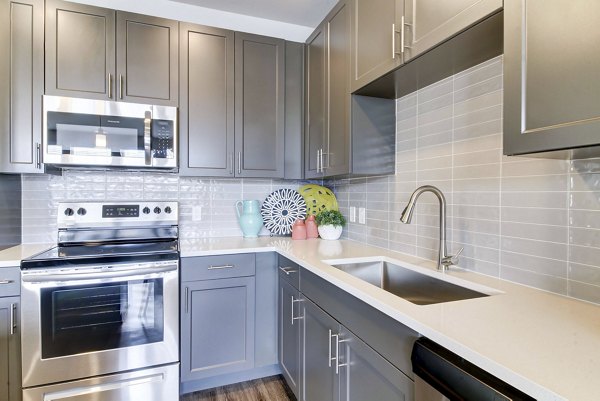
x,y
288,270
329,356
230,163
211,267
295,318
338,365
13,318
318,160
187,295
147,137
393,41
337,351
110,85
323,165
404,24
38,156
121,86
239,163
6,281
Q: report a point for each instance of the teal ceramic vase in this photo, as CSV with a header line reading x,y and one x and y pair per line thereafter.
x,y
249,217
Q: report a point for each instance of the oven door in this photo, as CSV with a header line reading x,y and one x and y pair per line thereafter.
x,y
94,320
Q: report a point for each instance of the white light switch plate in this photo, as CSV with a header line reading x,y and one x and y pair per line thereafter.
x,y
352,214
197,213
362,215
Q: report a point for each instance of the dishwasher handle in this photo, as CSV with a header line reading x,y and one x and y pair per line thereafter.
x,y
456,378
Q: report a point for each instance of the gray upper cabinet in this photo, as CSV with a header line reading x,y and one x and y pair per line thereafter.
x,y
259,106
80,50
366,375
147,59
430,22
376,37
551,75
22,74
207,101
327,150
98,53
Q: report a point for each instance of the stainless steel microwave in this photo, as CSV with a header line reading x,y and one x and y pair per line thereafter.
x,y
96,133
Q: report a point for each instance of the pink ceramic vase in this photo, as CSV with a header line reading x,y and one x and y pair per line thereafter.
x,y
311,227
299,230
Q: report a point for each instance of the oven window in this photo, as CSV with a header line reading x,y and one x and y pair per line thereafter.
x,y
88,318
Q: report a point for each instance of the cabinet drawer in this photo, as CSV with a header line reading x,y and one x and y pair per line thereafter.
x,y
10,281
289,271
215,267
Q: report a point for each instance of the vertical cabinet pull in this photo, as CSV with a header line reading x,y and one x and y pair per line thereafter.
x,y
329,355
13,318
120,86
110,85
403,44
295,318
318,160
338,365
288,270
393,41
187,297
230,163
38,155
337,351
239,163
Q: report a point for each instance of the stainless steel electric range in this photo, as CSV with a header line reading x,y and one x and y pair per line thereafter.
x,y
100,310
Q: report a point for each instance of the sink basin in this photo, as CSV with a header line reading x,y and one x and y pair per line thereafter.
x,y
418,288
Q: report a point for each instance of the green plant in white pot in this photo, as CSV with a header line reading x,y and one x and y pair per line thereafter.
x,y
330,224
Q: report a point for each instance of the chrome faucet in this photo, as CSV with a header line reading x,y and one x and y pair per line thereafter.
x,y
444,260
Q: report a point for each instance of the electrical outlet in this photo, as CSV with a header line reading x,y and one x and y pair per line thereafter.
x,y
197,213
362,215
352,214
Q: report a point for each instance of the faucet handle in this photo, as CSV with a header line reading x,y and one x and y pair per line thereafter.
x,y
452,260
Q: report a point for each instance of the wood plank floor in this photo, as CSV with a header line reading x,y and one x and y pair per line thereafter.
x,y
266,389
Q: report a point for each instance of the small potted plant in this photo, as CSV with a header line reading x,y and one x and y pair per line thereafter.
x,y
330,224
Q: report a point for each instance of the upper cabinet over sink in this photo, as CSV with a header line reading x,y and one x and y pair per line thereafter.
x,y
97,53
551,76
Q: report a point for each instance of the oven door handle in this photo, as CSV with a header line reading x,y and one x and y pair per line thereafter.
x,y
70,276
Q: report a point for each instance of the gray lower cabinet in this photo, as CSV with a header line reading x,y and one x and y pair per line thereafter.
x,y
207,101
289,334
22,75
99,53
327,150
217,327
259,106
427,23
10,334
551,76
376,38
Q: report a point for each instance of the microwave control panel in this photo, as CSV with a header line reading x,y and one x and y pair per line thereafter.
x,y
163,137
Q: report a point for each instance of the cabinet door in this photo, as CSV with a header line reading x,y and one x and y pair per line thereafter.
x,y
147,59
430,22
207,95
259,106
319,380
551,75
10,352
366,375
80,50
22,71
289,334
336,158
316,107
217,327
376,47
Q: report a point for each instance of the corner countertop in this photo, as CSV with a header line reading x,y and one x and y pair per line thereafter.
x,y
11,257
544,344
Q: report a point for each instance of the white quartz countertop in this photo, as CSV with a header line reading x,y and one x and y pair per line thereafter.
x,y
543,344
11,257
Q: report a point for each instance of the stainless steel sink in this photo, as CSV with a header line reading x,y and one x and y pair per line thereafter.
x,y
413,286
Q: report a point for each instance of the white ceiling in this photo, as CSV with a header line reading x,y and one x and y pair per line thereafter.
x,y
287,19
298,12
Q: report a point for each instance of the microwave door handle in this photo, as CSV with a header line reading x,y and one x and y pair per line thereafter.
x,y
147,138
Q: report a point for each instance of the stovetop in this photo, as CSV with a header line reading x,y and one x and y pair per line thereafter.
x,y
95,250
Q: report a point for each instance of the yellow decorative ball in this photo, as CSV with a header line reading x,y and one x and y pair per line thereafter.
x,y
318,198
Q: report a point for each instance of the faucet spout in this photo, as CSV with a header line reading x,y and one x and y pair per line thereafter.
x,y
444,260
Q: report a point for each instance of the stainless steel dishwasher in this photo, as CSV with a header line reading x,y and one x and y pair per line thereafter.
x,y
441,375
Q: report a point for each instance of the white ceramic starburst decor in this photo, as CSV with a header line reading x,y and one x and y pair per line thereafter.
x,y
281,209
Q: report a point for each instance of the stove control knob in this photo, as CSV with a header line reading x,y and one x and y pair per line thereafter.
x,y
168,210
146,210
69,212
157,210
81,211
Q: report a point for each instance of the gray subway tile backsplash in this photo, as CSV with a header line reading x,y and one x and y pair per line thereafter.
x,y
529,220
